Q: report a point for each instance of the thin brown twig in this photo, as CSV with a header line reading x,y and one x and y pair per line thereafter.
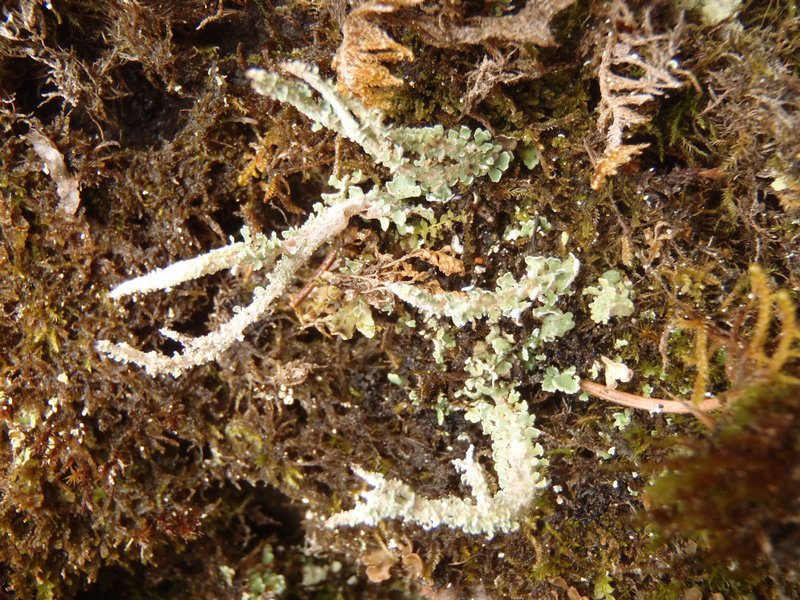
x,y
330,257
654,405
211,18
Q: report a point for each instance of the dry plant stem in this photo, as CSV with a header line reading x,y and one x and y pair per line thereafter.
x,y
760,288
701,360
215,17
654,405
789,333
297,252
330,258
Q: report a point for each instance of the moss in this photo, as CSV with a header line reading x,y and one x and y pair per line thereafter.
x,y
735,494
135,485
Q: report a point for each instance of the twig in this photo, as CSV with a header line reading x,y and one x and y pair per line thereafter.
x,y
211,18
654,405
330,257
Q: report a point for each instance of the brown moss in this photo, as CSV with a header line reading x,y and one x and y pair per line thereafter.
x,y
737,494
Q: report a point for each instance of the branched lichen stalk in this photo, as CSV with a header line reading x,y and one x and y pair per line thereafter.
x,y
424,162
298,249
443,158
518,463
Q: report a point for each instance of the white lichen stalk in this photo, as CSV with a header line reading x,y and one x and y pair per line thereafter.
x,y
297,250
182,271
496,406
517,460
455,156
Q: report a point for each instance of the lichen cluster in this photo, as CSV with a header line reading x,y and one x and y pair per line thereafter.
x,y
528,200
425,162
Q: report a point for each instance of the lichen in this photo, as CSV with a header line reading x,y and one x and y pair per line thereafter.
x,y
113,482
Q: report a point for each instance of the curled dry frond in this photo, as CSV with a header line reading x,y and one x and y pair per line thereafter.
x,y
497,70
636,67
530,25
365,47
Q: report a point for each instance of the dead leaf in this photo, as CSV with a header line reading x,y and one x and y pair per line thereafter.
x,y
442,260
379,564
573,594
693,593
67,185
413,564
